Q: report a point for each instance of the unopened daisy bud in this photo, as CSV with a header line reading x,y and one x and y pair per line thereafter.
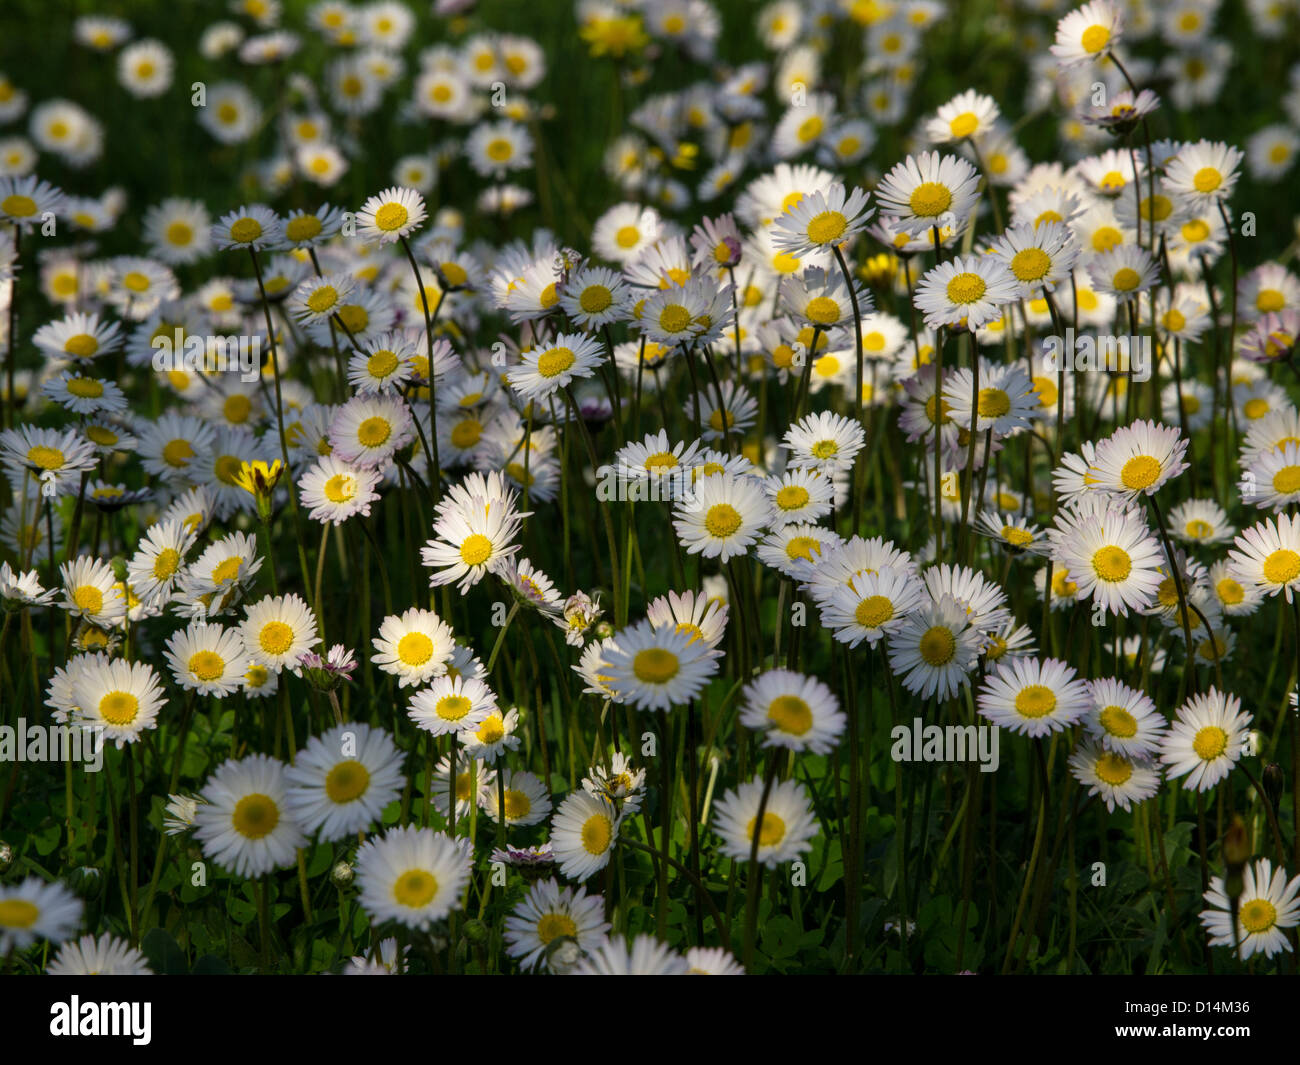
x,y
604,630
476,931
341,875
119,567
1273,781
87,882
6,857
1236,853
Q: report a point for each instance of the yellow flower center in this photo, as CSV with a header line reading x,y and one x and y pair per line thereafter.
x,y
790,714
826,227
207,665
245,230
415,889
597,831
1210,742
119,708
18,913
627,237
655,665
88,598
1112,564
555,361
966,287
1207,179
476,549
1140,472
1126,279
1258,915
792,497
347,781
45,458
391,217
373,432
722,520
16,206
938,645
595,299
1118,722
1287,480
874,611
415,649
1095,38
1281,566
1035,701
1113,769
963,125
177,453
255,816
556,926
275,638
1031,264
1230,591
772,832
340,488
674,318
930,199
85,387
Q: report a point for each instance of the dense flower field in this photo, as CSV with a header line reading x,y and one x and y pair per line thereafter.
x,y
650,486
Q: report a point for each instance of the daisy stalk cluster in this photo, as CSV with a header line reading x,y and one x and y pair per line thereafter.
x,y
459,563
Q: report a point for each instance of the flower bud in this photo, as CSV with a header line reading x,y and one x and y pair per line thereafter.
x,y
341,875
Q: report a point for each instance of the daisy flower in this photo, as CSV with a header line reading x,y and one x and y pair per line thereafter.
x,y
1267,905
1125,271
968,115
1118,779
935,648
411,875
657,668
1273,478
624,231
800,495
1039,257
787,828
208,659
367,430
105,956
1267,555
549,915
546,370
78,336
712,961
452,704
90,591
242,822
56,457
393,214
19,589
1205,739
644,956
526,799
594,297
792,710
252,227
336,490
1114,558
928,191
691,612
1203,173
24,201
966,289
1005,403
319,298
620,782
722,516
824,441
821,221
583,831
278,630
871,605
472,538
1087,34
1137,459
32,910
341,781
1124,719
1033,697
